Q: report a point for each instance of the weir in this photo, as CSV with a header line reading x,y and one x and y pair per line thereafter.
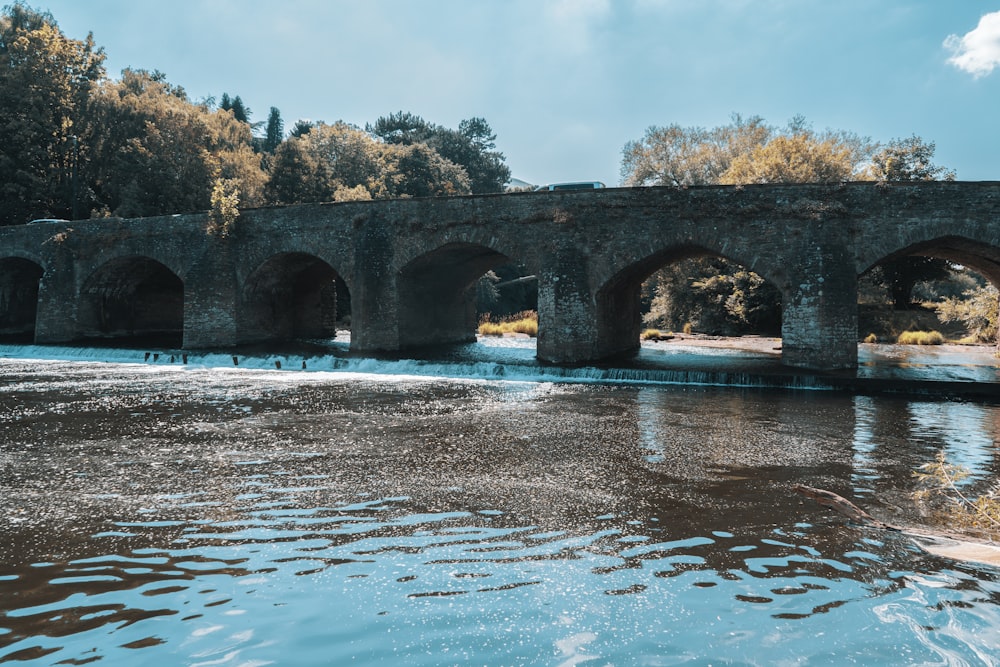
x,y
403,272
978,377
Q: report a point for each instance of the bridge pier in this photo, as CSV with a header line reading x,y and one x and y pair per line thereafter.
x,y
575,327
58,298
819,321
211,299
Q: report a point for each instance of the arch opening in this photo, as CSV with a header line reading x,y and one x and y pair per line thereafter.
x,y
946,285
686,289
135,299
294,296
442,293
19,281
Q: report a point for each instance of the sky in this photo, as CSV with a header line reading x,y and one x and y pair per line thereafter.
x,y
565,84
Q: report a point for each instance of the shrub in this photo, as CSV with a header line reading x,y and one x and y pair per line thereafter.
x,y
525,322
871,338
938,488
651,334
920,338
977,310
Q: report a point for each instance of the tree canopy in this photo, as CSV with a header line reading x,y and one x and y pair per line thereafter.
x,y
72,138
471,147
747,150
45,83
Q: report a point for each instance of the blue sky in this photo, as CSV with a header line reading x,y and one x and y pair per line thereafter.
x,y
566,83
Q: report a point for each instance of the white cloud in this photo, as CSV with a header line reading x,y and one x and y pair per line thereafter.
x,y
977,52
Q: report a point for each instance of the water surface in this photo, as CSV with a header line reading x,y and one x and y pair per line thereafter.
x,y
156,514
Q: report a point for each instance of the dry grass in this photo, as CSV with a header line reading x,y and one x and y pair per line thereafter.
x,y
920,338
938,490
525,322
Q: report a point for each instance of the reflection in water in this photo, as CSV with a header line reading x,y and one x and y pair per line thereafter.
x,y
963,430
239,517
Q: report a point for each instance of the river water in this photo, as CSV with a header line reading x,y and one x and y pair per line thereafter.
x,y
226,512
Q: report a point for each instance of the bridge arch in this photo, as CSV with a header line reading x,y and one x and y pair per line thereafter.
x,y
983,257
290,296
437,293
19,283
132,297
618,299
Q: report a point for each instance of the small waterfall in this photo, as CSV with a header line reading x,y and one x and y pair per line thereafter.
x,y
505,365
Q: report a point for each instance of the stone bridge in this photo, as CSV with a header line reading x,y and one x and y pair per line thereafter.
x,y
410,266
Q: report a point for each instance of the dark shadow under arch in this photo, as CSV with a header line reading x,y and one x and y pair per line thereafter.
x,y
437,294
133,298
293,296
19,280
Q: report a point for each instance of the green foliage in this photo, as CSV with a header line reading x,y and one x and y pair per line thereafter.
x,y
799,158
45,84
907,160
715,296
275,131
344,159
471,147
977,311
899,276
417,170
139,147
235,106
301,128
680,156
224,213
297,176
152,156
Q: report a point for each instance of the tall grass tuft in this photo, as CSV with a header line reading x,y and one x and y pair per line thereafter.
x,y
920,338
525,322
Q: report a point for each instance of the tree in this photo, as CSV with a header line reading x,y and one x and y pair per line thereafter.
x,y
235,105
799,158
224,210
681,156
418,171
45,82
337,162
297,176
232,157
350,155
275,131
899,276
301,128
904,160
977,310
401,128
152,155
472,146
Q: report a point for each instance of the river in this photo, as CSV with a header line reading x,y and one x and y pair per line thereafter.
x,y
220,511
